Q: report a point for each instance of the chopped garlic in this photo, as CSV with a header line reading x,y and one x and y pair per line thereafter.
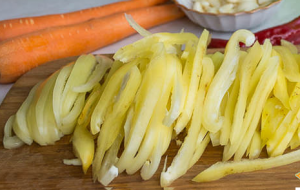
x,y
228,6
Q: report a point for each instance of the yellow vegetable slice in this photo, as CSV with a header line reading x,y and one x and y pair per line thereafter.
x,y
212,120
65,99
103,64
128,124
142,31
155,123
138,49
83,146
255,107
95,95
40,117
295,142
193,83
115,118
215,138
79,75
108,170
180,163
273,114
72,162
69,121
11,141
279,133
163,140
89,106
20,122
115,66
283,135
109,92
255,146
290,66
177,98
254,110
145,101
222,169
261,67
230,105
199,150
62,78
150,166
293,49
142,48
54,134
229,112
294,100
217,59
247,68
297,58
280,90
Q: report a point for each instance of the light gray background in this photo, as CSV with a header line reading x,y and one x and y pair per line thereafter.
x,y
289,10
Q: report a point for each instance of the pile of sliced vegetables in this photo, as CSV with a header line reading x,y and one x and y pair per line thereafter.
x,y
124,113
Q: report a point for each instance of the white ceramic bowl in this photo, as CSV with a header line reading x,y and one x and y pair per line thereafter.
x,y
228,22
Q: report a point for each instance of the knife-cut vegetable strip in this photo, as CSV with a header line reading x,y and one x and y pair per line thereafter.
x,y
107,96
181,161
254,110
11,141
108,170
83,146
293,49
155,123
284,133
60,83
142,31
294,97
247,68
79,75
103,64
295,142
20,126
177,99
66,101
229,112
222,169
261,67
90,104
273,114
255,147
115,118
146,99
71,118
193,82
142,48
290,66
280,89
223,79
218,59
151,165
232,95
255,107
199,150
40,116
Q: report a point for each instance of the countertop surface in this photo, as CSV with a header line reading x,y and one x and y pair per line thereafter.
x,y
289,10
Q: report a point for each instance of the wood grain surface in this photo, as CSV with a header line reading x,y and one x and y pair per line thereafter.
x,y
38,167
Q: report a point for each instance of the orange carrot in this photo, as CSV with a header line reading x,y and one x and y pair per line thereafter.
x,y
16,27
25,52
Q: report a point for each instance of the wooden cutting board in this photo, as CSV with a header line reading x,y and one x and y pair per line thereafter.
x,y
37,167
